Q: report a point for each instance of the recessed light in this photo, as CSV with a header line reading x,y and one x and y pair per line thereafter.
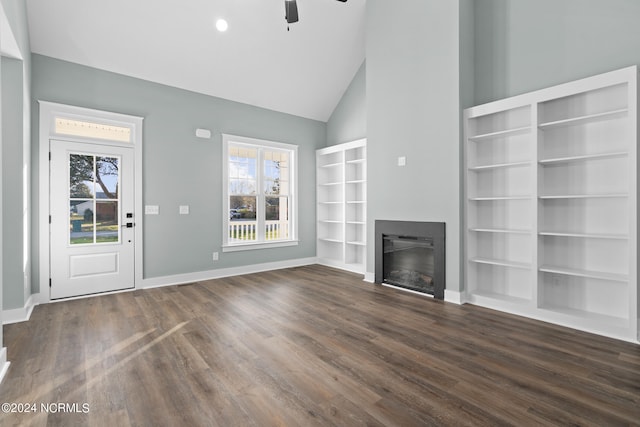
x,y
222,25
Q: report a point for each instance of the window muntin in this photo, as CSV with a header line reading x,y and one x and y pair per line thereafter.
x,y
259,199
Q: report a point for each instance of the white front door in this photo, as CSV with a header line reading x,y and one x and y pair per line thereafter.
x,y
92,218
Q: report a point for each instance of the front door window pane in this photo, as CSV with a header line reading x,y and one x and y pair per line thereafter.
x,y
93,199
107,177
81,222
81,176
107,227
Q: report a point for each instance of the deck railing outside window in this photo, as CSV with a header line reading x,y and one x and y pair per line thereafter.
x,y
243,231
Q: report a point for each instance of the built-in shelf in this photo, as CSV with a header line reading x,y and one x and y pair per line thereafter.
x,y
607,115
502,263
574,148
331,165
341,175
499,166
585,196
582,158
588,316
585,235
584,273
500,134
482,199
325,239
480,294
500,230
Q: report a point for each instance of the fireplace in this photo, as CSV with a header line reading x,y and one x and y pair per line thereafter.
x,y
411,255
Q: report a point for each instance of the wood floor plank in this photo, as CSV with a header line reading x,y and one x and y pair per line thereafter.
x,y
309,346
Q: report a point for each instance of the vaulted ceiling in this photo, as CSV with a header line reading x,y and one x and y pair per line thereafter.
x,y
303,71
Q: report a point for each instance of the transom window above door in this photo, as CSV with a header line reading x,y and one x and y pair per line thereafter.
x,y
82,128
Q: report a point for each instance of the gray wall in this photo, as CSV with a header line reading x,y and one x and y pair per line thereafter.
x,y
528,45
17,117
179,168
3,356
12,183
348,121
413,110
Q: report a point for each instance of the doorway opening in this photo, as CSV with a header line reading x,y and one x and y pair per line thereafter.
x,y
90,186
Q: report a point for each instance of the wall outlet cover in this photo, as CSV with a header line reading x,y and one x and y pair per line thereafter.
x,y
152,210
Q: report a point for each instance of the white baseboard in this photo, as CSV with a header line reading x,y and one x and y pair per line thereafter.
x,y
4,365
22,314
455,297
158,282
369,277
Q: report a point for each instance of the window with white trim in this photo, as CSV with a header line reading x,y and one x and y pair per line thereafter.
x,y
259,179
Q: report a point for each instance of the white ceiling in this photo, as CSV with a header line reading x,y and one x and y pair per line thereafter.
x,y
303,71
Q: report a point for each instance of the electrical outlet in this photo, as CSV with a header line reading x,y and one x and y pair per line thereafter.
x,y
215,256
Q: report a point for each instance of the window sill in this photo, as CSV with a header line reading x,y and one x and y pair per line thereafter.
x,y
261,245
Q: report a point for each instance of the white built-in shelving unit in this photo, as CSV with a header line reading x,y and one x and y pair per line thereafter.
x,y
342,205
551,204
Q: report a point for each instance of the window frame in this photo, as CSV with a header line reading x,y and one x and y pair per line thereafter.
x,y
260,144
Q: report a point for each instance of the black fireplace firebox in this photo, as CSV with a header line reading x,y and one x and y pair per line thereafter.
x,y
411,255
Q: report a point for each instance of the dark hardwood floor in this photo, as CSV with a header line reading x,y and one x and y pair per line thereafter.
x,y
309,346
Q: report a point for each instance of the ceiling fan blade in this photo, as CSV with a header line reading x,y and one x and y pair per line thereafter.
x,y
291,11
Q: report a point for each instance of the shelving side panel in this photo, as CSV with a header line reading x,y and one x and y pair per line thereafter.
x,y
597,216
356,153
508,247
328,158
587,254
330,193
331,251
583,296
333,174
497,122
595,177
508,149
589,138
499,282
500,214
517,181
590,102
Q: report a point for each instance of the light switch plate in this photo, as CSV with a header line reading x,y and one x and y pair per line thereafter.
x,y
184,210
402,161
152,210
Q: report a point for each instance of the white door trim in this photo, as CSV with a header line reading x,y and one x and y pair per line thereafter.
x,y
48,113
